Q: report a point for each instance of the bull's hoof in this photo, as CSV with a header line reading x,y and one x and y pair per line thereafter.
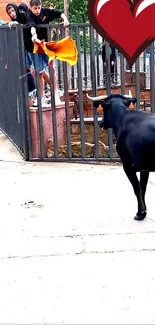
x,y
140,215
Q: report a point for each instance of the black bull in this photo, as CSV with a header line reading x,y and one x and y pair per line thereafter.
x,y
135,142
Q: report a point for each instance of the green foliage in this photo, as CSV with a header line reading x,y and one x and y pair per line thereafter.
x,y
86,46
77,14
77,9
59,4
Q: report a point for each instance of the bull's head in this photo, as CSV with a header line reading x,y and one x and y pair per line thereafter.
x,y
116,102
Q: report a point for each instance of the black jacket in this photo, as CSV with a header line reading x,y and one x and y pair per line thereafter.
x,y
112,53
21,12
46,16
30,81
21,17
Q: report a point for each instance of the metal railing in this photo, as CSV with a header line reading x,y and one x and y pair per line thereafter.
x,y
65,133
13,103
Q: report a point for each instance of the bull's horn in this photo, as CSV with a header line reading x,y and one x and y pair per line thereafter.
x,y
130,93
127,96
97,98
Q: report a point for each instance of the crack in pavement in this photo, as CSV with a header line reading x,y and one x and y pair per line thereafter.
x,y
80,253
93,235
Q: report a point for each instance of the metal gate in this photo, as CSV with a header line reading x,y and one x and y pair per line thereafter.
x,y
67,132
12,99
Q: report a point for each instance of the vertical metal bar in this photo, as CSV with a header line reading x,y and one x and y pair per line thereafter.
x,y
16,128
137,81
85,56
54,120
68,127
97,61
144,61
80,93
103,69
72,68
116,70
107,67
59,73
92,60
27,109
93,73
59,63
127,66
96,132
25,95
152,86
22,97
11,112
122,74
110,141
40,117
3,75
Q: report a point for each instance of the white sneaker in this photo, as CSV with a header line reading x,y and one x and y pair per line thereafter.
x,y
60,93
45,103
58,100
47,100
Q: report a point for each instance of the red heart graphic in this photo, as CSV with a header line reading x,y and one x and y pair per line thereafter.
x,y
127,25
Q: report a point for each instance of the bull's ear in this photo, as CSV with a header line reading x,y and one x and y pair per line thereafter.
x,y
128,101
96,103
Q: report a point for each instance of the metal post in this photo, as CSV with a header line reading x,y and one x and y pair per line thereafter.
x,y
152,86
80,94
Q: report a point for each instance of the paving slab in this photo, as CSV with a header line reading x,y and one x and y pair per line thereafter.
x,y
71,252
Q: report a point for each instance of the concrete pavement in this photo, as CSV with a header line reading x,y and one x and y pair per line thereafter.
x,y
70,250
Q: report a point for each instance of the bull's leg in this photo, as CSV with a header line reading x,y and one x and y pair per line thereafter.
x,y
131,174
144,176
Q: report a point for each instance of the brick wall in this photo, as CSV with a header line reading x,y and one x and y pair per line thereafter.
x,y
3,3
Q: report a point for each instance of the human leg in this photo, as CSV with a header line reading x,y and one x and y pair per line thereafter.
x,y
40,68
46,77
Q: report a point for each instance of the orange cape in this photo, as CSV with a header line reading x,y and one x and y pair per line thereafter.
x,y
63,50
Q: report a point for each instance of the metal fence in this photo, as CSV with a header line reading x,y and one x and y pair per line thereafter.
x,y
63,133
12,99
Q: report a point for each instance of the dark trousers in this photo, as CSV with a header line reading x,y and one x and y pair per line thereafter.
x,y
112,69
113,76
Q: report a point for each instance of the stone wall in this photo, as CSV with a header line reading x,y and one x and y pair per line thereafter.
x,y
130,79
89,138
88,131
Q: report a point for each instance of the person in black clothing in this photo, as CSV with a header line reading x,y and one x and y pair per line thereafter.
x,y
112,53
23,9
31,88
18,15
41,16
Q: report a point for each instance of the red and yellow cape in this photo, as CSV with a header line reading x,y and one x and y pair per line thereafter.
x,y
63,50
